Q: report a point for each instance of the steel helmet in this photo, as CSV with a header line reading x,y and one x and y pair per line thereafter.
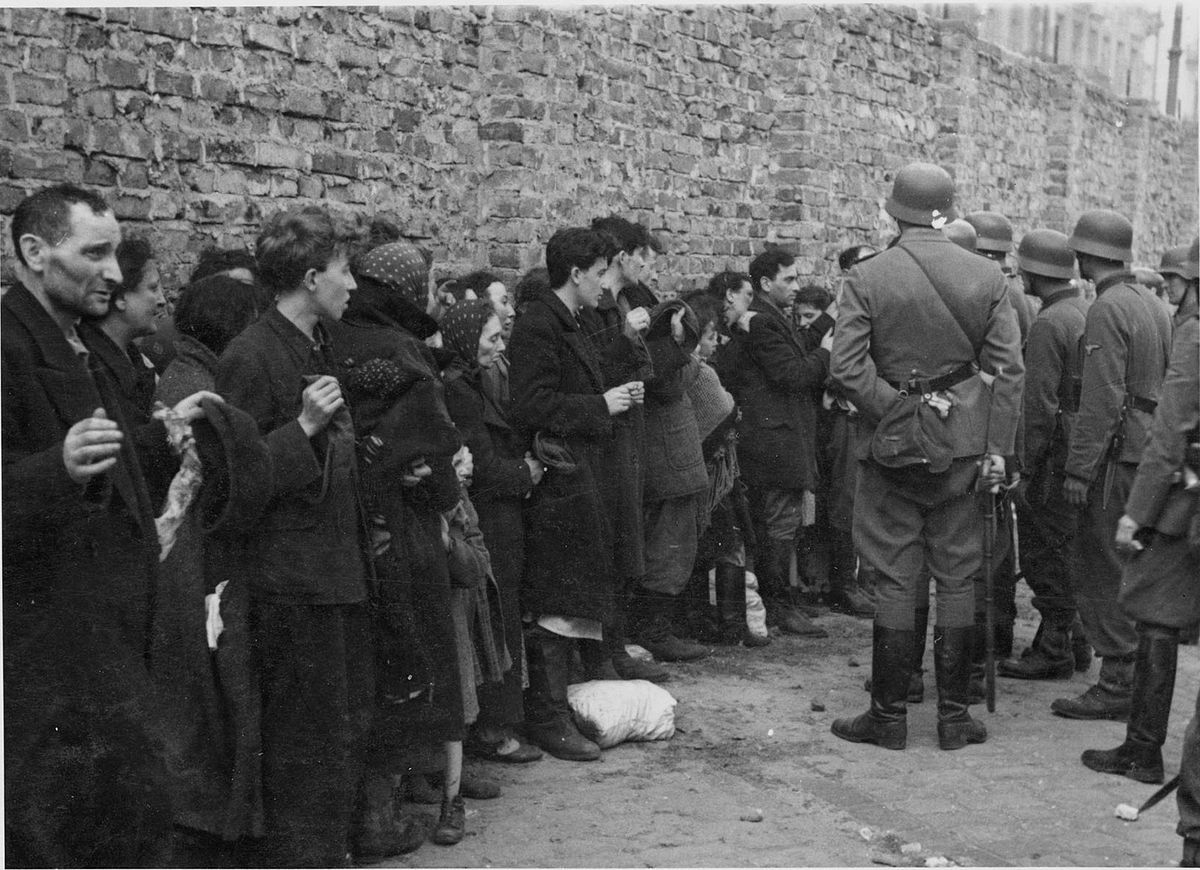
x,y
1103,233
993,229
1174,261
961,233
1193,262
922,194
1047,253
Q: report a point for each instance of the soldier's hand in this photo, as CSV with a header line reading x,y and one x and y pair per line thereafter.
x,y
320,401
1075,491
1127,527
91,446
991,472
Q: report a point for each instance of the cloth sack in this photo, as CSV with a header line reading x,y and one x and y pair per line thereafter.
x,y
912,434
609,712
756,611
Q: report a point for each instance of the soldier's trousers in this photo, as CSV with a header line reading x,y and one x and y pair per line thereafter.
x,y
1097,566
910,524
1189,780
1047,526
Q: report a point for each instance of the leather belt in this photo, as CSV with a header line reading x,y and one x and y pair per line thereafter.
x,y
933,385
1139,403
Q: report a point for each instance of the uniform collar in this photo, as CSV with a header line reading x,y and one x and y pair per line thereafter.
x,y
1114,279
1065,293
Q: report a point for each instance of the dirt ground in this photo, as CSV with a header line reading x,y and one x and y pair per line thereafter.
x,y
753,742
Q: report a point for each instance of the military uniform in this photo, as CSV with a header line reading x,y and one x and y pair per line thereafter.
x,y
1125,348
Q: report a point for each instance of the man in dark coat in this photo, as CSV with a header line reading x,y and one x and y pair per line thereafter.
x,y
558,395
1126,343
1046,520
774,384
1160,588
914,510
85,782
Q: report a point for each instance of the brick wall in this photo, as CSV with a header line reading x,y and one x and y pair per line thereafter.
x,y
482,129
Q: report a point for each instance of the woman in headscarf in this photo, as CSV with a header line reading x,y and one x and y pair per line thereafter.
x,y
505,473
406,447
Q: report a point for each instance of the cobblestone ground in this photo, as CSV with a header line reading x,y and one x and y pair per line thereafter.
x,y
752,738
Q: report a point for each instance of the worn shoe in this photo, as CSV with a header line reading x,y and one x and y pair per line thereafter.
x,y
1096,703
791,621
562,739
509,750
453,822
629,668
867,729
956,735
655,635
1036,666
1142,762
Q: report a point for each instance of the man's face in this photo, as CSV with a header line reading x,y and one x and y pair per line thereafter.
x,y
79,271
331,288
502,305
1176,287
143,306
783,287
634,266
590,285
737,302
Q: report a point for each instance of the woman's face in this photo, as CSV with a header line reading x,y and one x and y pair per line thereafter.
x,y
491,345
737,302
498,294
143,306
708,341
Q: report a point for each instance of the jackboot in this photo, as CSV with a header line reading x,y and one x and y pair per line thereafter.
x,y
548,721
1140,756
952,665
1049,657
625,665
731,606
653,629
1080,648
1191,853
886,722
379,830
916,680
1108,699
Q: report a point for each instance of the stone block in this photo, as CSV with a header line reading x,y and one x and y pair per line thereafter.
x,y
14,126
507,131
284,156
40,90
177,84
218,31
173,21
266,36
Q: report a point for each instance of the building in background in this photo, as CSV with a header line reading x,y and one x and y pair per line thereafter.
x,y
1125,48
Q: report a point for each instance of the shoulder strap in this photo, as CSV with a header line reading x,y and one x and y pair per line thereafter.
x,y
942,298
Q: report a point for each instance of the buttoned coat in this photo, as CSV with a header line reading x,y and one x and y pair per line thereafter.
x,y
774,378
1052,372
892,326
1126,344
557,388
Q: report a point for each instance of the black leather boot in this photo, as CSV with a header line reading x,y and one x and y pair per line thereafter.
x,y
1140,756
1049,657
952,665
731,606
916,679
626,666
653,629
596,661
548,721
1191,853
772,564
1080,648
1110,698
886,722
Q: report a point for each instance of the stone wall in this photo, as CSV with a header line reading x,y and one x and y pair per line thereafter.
x,y
482,129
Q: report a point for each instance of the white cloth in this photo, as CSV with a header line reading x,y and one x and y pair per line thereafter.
x,y
572,626
184,485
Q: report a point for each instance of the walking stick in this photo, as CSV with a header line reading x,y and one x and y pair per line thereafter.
x,y
989,605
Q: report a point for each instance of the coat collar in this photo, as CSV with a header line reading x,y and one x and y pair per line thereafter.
x,y
299,344
574,338
1065,293
23,305
1113,280
114,358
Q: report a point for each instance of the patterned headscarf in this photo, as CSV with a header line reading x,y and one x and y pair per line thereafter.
x,y
462,326
401,267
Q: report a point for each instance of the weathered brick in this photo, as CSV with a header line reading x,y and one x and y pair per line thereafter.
x,y
265,36
176,84
121,73
39,89
275,154
173,21
14,126
51,164
508,131
216,31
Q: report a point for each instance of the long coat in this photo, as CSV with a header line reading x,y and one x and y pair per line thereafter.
x,y
1052,372
1160,584
1126,344
891,325
80,579
557,387
773,378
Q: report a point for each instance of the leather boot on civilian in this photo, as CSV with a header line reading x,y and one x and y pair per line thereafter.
x,y
626,666
548,720
731,606
653,629
1108,699
1140,756
952,665
886,722
1048,658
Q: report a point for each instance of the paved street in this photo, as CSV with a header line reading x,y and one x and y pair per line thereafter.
x,y
750,740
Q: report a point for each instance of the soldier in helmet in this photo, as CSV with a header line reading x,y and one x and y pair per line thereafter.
x,y
1126,342
915,509
1046,265
994,241
1181,292
962,234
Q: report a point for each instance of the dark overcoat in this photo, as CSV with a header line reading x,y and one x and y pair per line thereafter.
x,y
773,378
85,782
557,387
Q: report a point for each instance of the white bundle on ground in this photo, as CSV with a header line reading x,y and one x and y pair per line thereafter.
x,y
609,712
756,613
